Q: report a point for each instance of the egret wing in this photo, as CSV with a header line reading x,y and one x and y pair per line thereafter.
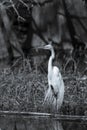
x,y
56,80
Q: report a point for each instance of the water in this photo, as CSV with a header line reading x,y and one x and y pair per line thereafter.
x,y
25,123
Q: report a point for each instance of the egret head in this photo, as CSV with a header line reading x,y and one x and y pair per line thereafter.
x,y
48,47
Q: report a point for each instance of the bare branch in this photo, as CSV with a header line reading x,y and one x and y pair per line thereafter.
x,y
84,78
73,16
24,4
38,114
19,17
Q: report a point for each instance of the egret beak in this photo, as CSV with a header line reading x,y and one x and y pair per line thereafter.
x,y
42,47
46,47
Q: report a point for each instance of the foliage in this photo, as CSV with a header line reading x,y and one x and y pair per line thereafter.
x,y
23,88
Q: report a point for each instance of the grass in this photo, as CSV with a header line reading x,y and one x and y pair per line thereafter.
x,y
22,88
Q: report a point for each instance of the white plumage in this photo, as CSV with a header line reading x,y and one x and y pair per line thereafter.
x,y
55,93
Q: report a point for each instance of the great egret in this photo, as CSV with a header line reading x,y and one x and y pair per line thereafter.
x,y
55,93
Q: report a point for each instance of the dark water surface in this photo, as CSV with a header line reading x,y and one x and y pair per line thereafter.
x,y
23,123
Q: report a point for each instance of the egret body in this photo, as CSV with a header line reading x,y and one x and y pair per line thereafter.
x,y
55,93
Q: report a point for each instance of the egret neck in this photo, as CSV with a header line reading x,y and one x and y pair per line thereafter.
x,y
50,67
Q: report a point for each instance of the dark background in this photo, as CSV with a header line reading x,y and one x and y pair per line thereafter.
x,y
26,25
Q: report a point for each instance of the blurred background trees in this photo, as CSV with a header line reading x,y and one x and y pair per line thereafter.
x,y
27,24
